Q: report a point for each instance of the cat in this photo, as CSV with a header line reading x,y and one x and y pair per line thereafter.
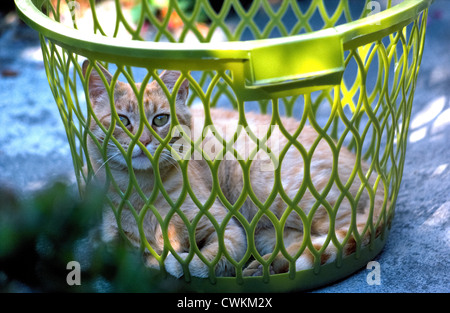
x,y
271,157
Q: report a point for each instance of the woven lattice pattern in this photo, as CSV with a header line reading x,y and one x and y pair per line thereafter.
x,y
234,19
368,112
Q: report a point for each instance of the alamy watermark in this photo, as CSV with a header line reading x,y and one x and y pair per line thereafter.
x,y
73,278
262,143
374,276
374,7
74,7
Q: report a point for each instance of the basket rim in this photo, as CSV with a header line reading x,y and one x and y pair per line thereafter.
x,y
350,33
269,68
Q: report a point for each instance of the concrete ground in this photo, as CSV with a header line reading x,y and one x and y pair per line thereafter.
x,y
34,151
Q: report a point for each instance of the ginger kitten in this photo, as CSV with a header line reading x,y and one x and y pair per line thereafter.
x,y
176,205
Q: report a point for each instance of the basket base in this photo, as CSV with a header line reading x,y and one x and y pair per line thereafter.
x,y
302,280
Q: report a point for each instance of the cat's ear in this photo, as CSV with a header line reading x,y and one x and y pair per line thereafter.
x,y
170,78
97,89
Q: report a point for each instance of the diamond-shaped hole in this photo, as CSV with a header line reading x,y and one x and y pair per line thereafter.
x,y
223,95
374,75
262,177
293,239
289,19
341,20
351,72
322,103
304,5
275,33
261,19
292,170
316,21
265,236
293,106
357,9
231,179
319,217
331,6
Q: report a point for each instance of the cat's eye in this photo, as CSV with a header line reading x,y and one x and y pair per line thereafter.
x,y
161,120
125,121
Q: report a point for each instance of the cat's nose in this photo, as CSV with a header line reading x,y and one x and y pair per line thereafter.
x,y
145,139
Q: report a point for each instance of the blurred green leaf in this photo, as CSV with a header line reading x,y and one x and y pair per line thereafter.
x,y
41,234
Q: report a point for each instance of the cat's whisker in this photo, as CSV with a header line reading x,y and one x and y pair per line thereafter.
x,y
107,160
170,160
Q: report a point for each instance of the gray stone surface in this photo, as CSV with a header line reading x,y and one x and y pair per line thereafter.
x,y
34,151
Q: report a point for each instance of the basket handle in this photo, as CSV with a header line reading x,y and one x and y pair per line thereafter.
x,y
312,61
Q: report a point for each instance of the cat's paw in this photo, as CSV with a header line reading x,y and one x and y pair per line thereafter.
x,y
279,265
173,266
196,266
304,262
256,269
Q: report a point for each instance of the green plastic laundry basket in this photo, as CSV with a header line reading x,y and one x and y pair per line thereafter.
x,y
348,68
